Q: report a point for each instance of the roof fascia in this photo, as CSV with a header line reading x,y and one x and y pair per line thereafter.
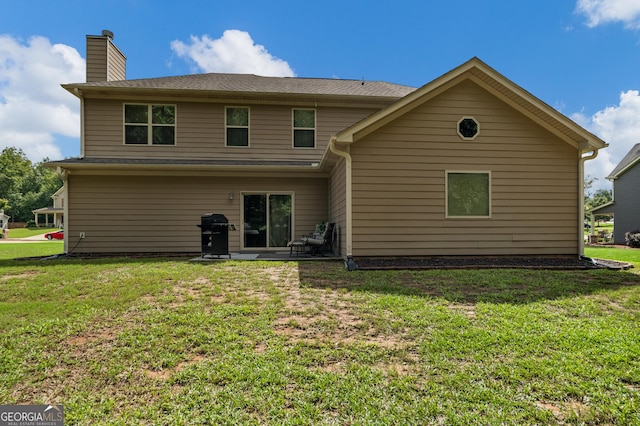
x,y
588,140
604,206
626,169
190,169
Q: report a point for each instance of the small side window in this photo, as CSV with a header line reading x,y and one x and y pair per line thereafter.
x,y
237,126
304,128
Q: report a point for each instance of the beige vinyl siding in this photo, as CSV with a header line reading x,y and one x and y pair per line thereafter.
x,y
200,132
399,183
155,214
117,64
104,61
338,205
96,59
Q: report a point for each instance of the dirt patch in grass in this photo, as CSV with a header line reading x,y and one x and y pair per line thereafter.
x,y
330,317
563,410
168,372
466,309
83,340
317,315
25,274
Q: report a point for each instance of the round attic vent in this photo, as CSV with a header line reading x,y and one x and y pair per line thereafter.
x,y
468,128
107,33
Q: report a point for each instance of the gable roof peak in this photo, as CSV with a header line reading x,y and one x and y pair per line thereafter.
x,y
495,83
629,160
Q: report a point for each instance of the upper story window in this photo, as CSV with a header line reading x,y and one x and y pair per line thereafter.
x,y
304,128
149,124
237,126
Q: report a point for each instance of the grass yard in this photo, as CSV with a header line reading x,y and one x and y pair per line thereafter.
x,y
167,341
621,254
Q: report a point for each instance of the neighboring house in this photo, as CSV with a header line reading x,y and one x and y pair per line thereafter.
x,y
469,164
625,206
4,223
56,213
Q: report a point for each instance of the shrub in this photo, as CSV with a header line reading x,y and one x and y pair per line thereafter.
x,y
632,238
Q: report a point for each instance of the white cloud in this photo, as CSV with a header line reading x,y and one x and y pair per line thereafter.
x,y
618,126
234,52
33,106
603,11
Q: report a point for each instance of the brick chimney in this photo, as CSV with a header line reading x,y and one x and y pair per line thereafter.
x,y
105,62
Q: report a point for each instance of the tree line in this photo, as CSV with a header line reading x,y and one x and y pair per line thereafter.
x,y
25,186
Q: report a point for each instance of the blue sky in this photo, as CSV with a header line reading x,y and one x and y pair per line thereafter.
x,y
582,57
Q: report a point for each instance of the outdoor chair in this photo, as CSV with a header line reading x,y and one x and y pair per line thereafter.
x,y
321,239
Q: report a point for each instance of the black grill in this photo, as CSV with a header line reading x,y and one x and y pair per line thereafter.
x,y
215,234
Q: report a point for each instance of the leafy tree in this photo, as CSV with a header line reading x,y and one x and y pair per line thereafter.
x,y
593,199
599,198
602,196
25,186
14,166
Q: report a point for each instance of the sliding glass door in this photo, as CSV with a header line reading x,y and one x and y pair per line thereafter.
x,y
267,220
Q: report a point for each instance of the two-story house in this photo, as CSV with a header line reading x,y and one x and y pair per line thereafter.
x,y
625,206
469,164
4,223
56,213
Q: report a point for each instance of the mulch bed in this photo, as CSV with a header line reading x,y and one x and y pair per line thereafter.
x,y
481,262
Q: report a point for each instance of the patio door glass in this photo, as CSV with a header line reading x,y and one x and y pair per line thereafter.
x,y
267,220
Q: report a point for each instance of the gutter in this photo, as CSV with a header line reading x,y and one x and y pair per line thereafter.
x,y
350,264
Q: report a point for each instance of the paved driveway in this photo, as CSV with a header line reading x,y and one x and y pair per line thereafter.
x,y
33,239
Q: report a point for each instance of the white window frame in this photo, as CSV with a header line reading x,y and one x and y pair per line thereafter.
x,y
248,126
446,193
150,124
294,128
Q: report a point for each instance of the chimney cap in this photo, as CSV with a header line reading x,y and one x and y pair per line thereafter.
x,y
107,33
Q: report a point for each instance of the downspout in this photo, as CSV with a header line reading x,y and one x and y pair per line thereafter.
x,y
581,162
350,264
64,175
78,93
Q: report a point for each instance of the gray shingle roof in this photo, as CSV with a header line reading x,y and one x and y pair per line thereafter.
x,y
249,83
632,157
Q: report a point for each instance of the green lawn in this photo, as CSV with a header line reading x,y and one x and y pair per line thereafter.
x,y
20,250
621,254
168,341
